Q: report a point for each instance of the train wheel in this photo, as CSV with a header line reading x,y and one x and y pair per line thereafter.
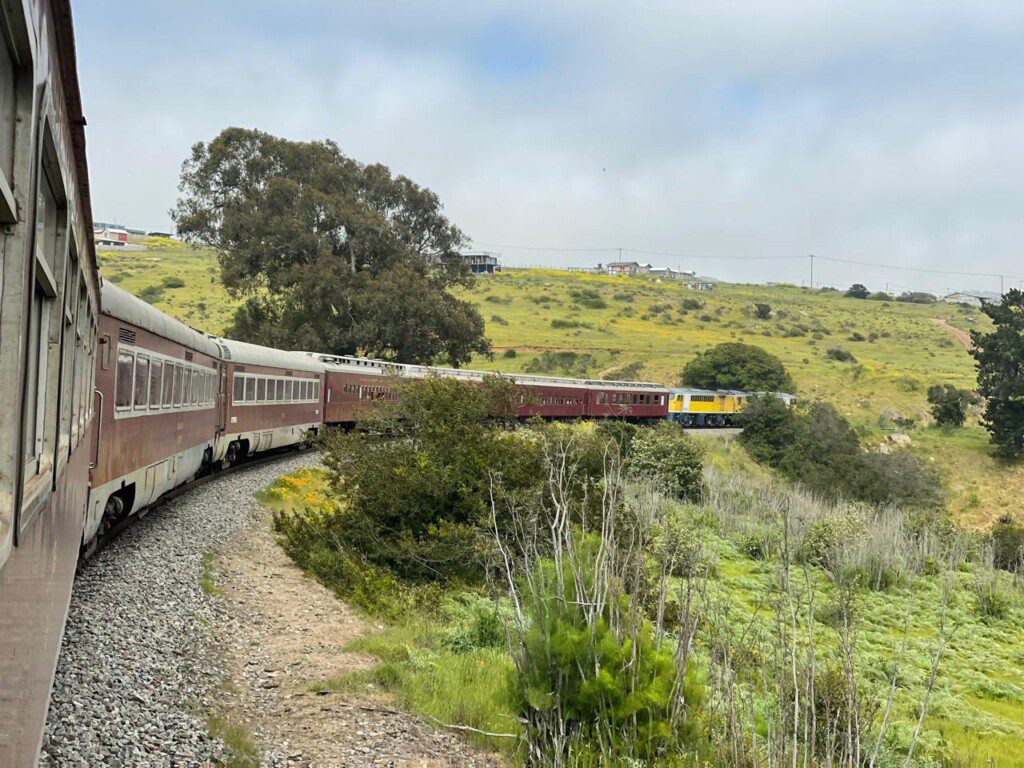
x,y
230,457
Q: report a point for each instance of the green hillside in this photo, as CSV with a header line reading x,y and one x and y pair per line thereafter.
x,y
639,328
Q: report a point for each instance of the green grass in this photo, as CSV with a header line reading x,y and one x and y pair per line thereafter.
x,y
242,749
470,688
206,580
200,302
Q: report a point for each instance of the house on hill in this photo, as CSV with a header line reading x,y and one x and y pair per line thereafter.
x,y
972,298
110,236
628,268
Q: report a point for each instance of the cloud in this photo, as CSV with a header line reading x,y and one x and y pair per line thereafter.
x,y
869,131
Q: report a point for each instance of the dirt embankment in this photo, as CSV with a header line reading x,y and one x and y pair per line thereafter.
x,y
962,336
284,631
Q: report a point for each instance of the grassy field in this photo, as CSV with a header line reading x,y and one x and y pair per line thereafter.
x,y
200,301
976,711
638,328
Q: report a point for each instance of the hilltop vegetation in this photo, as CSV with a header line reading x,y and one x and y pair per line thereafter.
x,y
636,328
791,614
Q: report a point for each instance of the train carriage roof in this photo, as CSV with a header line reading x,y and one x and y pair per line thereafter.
x,y
121,305
365,365
254,354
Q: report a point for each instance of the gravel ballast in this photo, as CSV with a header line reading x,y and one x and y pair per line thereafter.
x,y
137,670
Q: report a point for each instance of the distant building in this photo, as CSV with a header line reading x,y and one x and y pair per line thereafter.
x,y
159,234
628,268
110,236
973,298
136,232
700,283
482,263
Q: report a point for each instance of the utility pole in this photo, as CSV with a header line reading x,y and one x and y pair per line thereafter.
x,y
811,257
1001,285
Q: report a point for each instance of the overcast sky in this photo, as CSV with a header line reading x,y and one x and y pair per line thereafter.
x,y
869,131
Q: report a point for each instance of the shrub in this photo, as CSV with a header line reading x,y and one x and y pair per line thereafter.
x,y
498,320
173,282
916,297
856,336
857,291
734,365
1008,545
691,303
840,355
622,433
567,362
413,482
474,622
589,298
627,372
666,455
880,296
559,323
151,294
992,601
627,297
825,538
762,311
948,404
509,353
498,299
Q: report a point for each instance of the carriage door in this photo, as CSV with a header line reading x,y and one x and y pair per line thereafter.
x,y
222,390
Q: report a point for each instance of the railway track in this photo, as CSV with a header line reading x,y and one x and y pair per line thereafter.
x,y
102,542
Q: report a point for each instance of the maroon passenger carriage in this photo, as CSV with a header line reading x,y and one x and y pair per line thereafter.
x,y
49,298
272,399
355,383
158,383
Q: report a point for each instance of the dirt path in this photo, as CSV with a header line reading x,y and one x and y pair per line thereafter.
x,y
284,631
960,335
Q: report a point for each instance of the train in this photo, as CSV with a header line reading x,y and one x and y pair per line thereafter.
x,y
109,403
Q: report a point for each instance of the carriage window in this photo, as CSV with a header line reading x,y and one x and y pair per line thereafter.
x,y
195,387
141,381
237,389
261,390
250,389
70,348
316,390
287,390
125,370
186,386
168,384
155,378
177,385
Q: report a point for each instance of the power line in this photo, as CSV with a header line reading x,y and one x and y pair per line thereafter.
x,y
697,257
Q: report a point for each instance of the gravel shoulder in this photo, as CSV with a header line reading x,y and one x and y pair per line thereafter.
x,y
282,631
137,672
156,642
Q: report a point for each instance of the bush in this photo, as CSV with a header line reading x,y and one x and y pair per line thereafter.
x,y
509,353
498,320
840,355
825,538
474,622
611,684
559,323
948,404
691,303
413,482
588,297
857,291
667,456
880,296
1008,545
916,297
762,311
622,433
820,450
151,294
734,365
173,282
569,363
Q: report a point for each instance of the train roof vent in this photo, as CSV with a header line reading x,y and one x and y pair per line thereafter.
x,y
224,351
188,354
125,335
